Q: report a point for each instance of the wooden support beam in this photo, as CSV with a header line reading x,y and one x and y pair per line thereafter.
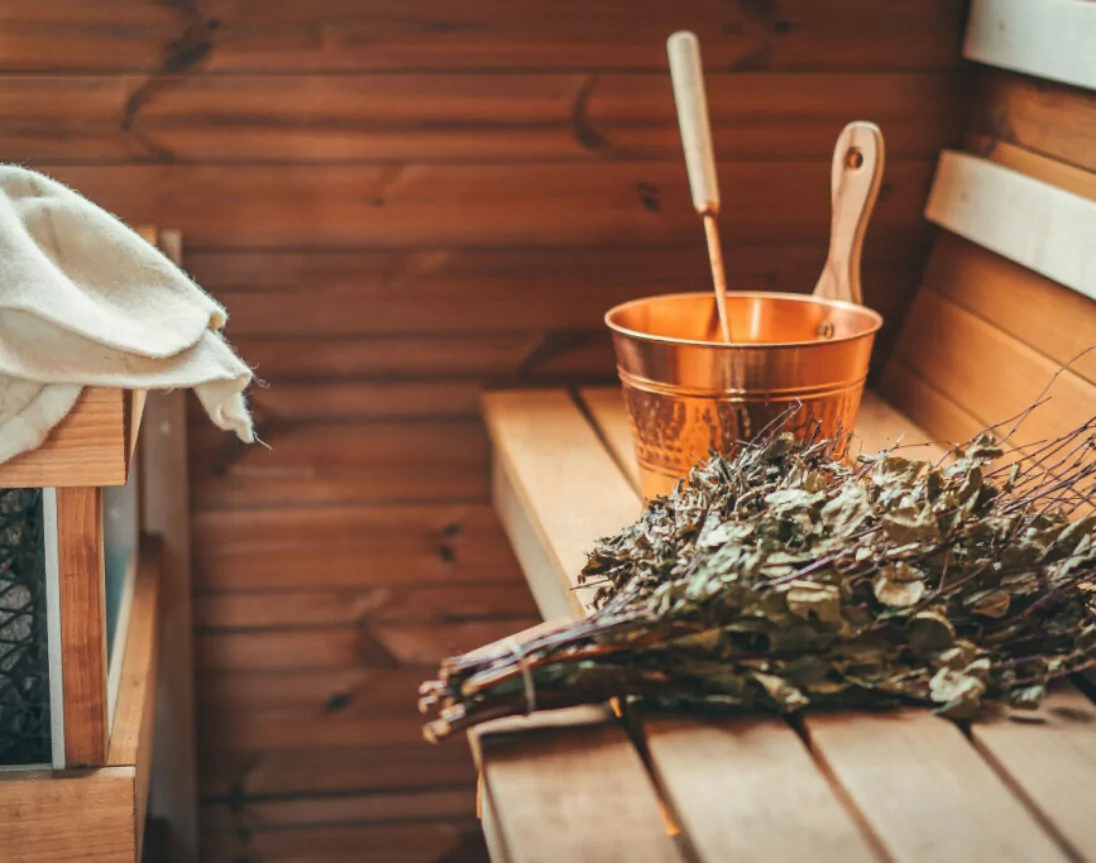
x,y
83,625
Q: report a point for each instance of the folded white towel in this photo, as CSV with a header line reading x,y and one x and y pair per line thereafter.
x,y
86,301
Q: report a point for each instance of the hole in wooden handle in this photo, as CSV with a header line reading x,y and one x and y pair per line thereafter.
x,y
854,158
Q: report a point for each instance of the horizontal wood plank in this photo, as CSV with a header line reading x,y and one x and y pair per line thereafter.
x,y
1070,178
339,293
252,732
413,204
420,805
1005,293
227,774
76,815
423,842
997,208
1047,38
80,35
442,460
87,448
1055,120
448,603
457,116
381,644
992,375
527,357
352,690
351,547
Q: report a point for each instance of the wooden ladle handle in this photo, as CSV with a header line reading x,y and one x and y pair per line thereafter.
x,y
687,75
854,184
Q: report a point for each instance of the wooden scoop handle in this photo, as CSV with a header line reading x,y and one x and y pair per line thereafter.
x,y
687,75
854,184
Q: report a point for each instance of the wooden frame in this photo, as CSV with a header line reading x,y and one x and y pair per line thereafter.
x,y
89,447
96,814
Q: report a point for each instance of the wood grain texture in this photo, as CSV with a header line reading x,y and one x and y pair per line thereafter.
x,y
992,375
356,689
925,792
227,35
362,548
610,417
515,290
414,204
420,842
83,625
79,816
88,447
1049,757
553,457
701,766
166,514
1005,293
1047,38
132,736
341,809
374,767
449,116
1055,120
997,208
554,786
1070,178
392,462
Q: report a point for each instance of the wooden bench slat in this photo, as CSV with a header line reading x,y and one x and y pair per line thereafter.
x,y
1051,756
569,785
746,789
1049,38
1039,225
610,415
562,476
925,791
1078,181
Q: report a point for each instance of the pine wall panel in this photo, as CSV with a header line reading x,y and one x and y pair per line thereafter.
x,y
402,202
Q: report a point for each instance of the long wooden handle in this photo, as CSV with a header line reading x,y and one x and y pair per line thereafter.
x,y
687,74
854,184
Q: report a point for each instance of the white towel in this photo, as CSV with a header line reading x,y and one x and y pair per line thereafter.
x,y
85,301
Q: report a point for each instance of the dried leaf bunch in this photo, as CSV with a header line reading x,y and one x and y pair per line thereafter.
x,y
783,577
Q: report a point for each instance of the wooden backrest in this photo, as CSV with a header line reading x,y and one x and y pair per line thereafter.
x,y
1009,293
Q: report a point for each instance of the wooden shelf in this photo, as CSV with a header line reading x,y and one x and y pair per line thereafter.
x,y
92,446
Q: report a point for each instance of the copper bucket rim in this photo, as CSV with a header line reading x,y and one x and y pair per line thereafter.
x,y
877,320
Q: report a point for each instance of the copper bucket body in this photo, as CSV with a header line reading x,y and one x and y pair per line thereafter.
x,y
689,394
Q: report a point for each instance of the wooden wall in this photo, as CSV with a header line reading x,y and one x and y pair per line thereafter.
x,y
402,201
1001,332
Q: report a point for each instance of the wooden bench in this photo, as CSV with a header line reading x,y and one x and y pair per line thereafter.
x,y
1006,300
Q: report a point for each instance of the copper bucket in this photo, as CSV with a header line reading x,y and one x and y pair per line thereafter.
x,y
688,393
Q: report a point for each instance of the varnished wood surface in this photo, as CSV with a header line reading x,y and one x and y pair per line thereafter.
x,y
89,447
83,625
904,785
401,203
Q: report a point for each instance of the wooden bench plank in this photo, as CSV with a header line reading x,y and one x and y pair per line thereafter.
x,y
569,785
555,461
1051,756
925,791
746,789
698,764
610,416
909,749
1048,38
1039,225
